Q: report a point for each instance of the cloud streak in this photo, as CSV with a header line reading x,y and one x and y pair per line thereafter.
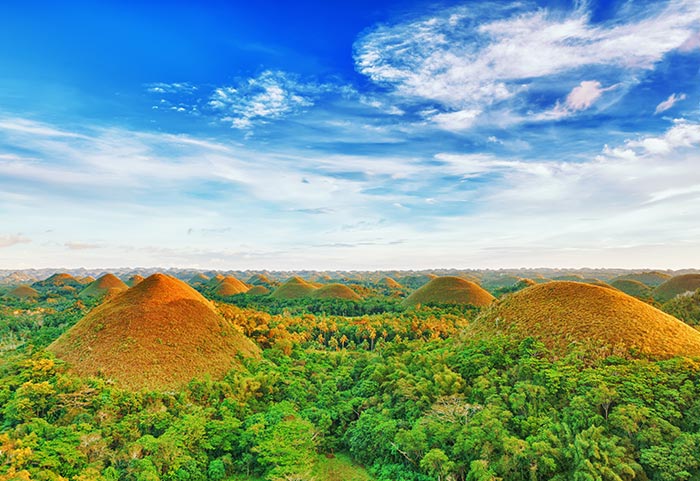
x,y
473,60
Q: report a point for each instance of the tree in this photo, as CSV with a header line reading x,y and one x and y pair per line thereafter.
x,y
436,463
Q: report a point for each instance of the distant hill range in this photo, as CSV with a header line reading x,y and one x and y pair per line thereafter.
x,y
411,278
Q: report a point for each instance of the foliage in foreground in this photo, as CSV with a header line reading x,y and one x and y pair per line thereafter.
x,y
404,396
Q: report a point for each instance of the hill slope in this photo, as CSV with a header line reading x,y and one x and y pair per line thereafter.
x,y
335,291
158,335
293,288
107,285
559,313
676,285
449,290
632,288
23,292
651,278
230,286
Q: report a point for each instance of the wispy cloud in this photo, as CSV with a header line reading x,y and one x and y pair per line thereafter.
x,y
669,102
171,88
81,246
474,59
9,240
268,96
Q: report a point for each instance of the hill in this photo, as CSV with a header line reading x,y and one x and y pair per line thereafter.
x,y
107,285
560,313
650,278
260,280
157,335
258,291
230,286
57,280
675,286
335,291
632,288
23,292
134,280
449,290
293,288
390,283
198,279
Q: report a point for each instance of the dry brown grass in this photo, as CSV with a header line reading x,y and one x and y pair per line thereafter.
x,y
230,286
135,280
258,291
294,288
650,278
450,290
58,280
159,334
561,313
335,291
390,283
260,280
107,285
23,292
198,279
632,288
675,286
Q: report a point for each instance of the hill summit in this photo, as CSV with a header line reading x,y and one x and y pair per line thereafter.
x,y
450,290
159,334
107,285
675,286
294,288
335,291
560,313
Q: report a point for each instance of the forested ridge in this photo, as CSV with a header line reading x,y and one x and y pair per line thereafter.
x,y
408,394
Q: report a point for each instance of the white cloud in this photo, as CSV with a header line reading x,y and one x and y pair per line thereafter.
x,y
171,88
472,59
669,102
9,240
79,246
270,95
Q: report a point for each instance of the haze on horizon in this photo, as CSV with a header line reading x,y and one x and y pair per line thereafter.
x,y
398,134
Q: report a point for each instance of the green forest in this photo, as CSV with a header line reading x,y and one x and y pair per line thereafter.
x,y
352,390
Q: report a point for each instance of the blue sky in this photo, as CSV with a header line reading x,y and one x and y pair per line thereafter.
x,y
353,135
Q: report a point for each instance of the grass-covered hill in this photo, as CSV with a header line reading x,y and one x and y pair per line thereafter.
x,y
449,290
294,288
675,286
561,313
335,291
106,286
159,334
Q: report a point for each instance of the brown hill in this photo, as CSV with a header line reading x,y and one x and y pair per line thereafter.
x,y
560,313
390,283
293,288
199,279
260,280
58,280
651,278
335,291
134,280
214,281
675,286
258,291
449,290
107,285
632,288
230,286
159,334
23,292
86,280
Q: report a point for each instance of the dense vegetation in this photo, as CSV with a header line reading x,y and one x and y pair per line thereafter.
x,y
402,392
